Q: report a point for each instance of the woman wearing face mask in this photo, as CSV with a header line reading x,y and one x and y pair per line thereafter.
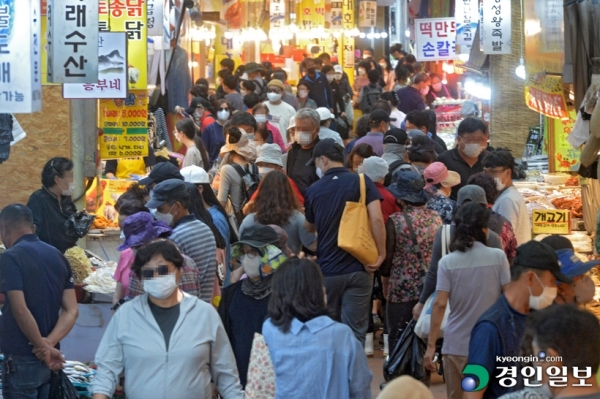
x,y
243,306
356,157
438,90
212,136
361,79
339,107
52,205
389,76
276,203
261,114
421,153
303,99
165,329
185,133
247,87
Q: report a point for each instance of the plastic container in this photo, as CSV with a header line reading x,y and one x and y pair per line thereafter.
x,y
556,178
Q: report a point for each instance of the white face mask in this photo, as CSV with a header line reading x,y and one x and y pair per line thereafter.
x,y
584,289
499,185
473,150
122,236
223,115
319,173
167,218
260,118
361,71
437,86
244,76
365,56
160,287
545,299
302,93
304,138
329,78
383,66
338,76
251,266
274,97
70,188
263,170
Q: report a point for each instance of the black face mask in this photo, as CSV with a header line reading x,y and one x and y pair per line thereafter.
x,y
311,71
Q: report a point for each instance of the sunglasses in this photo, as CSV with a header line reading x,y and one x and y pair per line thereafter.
x,y
161,270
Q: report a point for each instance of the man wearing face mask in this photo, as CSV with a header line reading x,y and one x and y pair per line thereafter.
x,y
510,204
500,329
306,136
379,121
319,89
287,97
280,111
582,290
411,97
171,200
325,132
466,158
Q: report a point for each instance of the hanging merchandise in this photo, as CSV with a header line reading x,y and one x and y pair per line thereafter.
x,y
435,39
496,27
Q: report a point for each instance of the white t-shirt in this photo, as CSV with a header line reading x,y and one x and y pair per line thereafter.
x,y
399,116
326,133
280,116
511,205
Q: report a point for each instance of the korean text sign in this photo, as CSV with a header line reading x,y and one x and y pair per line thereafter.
x,y
277,11
435,39
130,16
367,14
20,54
73,41
551,221
155,17
496,27
467,19
124,125
545,95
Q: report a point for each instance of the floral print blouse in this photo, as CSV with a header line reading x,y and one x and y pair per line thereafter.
x,y
443,205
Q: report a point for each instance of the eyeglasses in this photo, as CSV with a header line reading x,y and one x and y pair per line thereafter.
x,y
272,90
161,270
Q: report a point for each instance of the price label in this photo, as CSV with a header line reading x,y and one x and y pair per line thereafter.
x,y
551,221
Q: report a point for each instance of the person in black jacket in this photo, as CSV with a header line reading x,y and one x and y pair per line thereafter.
x,y
306,135
319,89
52,205
339,108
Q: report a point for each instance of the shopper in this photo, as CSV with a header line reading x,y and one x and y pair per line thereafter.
x,y
377,169
318,87
388,73
439,184
379,122
171,200
360,130
303,100
361,79
261,115
163,171
409,245
392,99
233,97
341,79
421,153
280,112
243,307
394,146
326,118
471,264
357,156
339,109
202,112
301,152
510,203
287,97
466,158
276,204
165,329
185,133
402,77
433,131
499,330
255,75
302,339
419,120
37,283
247,87
348,282
411,97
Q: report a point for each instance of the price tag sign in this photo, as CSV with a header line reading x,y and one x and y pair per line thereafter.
x,y
551,221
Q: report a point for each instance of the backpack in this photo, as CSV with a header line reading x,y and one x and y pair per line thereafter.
x,y
369,94
395,165
262,86
250,181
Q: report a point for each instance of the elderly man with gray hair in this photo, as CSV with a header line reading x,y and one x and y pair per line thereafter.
x,y
305,137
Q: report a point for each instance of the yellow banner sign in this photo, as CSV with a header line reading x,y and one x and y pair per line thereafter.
x,y
124,125
130,16
544,94
551,221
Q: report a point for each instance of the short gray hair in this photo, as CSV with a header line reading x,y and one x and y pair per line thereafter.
x,y
311,114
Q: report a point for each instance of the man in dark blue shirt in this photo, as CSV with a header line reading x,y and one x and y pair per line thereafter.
x,y
411,97
37,282
347,281
318,86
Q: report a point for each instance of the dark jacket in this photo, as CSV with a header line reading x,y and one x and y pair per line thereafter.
x,y
319,90
338,98
6,136
304,176
49,217
410,100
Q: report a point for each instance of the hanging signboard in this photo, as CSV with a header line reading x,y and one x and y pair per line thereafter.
x,y
155,17
551,221
112,70
545,95
124,125
73,41
566,158
20,69
367,14
435,39
130,16
496,28
336,14
348,15
277,11
467,18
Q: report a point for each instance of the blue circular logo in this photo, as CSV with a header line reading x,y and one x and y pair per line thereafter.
x,y
542,355
468,384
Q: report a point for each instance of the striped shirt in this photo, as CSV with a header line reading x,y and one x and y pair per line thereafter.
x,y
196,240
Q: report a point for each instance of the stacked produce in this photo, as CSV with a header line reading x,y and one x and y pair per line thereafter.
x,y
80,264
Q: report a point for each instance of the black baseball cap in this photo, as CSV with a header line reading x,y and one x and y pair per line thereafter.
x,y
540,256
325,147
380,115
168,190
161,172
258,236
197,102
395,136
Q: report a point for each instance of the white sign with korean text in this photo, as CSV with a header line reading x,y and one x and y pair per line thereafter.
x,y
73,41
112,70
336,14
277,11
435,39
467,18
155,17
367,14
20,56
496,28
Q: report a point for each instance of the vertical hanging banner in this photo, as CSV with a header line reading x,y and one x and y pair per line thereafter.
x,y
347,14
496,28
308,11
435,39
155,17
130,16
277,11
336,14
367,14
467,19
124,125
348,42
20,69
566,158
73,41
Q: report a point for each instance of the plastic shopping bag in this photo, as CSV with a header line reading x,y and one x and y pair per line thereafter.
x,y
406,357
423,325
79,223
61,387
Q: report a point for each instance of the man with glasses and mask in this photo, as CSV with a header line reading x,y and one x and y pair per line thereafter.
x,y
280,112
466,158
305,137
171,200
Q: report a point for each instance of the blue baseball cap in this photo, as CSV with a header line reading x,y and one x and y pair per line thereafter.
x,y
571,265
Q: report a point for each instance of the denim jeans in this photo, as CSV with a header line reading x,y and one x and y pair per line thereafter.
x,y
27,378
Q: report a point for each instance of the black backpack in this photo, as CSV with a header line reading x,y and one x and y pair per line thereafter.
x,y
262,86
250,181
369,95
395,165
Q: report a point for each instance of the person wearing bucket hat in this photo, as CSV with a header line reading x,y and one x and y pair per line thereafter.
x,y
254,73
407,255
280,111
439,183
582,290
244,304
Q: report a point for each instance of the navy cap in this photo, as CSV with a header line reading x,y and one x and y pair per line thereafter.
x,y
395,136
169,190
540,256
326,147
380,115
161,172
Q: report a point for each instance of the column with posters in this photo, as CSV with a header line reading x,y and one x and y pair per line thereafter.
x,y
124,125
130,16
496,27
467,18
435,39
